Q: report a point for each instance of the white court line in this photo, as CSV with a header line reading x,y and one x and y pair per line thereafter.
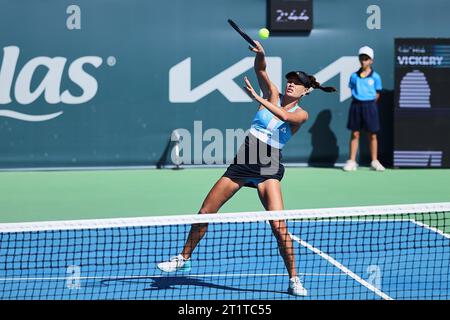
x,y
341,267
438,231
421,224
364,219
171,276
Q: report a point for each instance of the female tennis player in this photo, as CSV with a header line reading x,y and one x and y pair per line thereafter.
x,y
277,119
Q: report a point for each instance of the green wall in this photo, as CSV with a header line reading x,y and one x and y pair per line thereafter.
x,y
128,119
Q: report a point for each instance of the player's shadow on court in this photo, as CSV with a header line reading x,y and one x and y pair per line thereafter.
x,y
169,283
173,283
325,150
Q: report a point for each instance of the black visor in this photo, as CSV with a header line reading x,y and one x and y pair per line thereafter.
x,y
300,75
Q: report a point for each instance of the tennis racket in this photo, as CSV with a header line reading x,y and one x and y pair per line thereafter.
x,y
242,33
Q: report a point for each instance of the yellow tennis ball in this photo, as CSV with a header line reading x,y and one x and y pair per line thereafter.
x,y
263,33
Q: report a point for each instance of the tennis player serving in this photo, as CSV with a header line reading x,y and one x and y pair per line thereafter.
x,y
278,118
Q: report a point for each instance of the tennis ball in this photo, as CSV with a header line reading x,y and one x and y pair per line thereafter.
x,y
263,33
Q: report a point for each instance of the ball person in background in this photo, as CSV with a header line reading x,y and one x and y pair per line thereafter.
x,y
363,114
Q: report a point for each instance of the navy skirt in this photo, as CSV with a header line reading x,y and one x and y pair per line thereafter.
x,y
255,162
363,115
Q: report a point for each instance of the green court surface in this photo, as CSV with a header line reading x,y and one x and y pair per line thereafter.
x,y
62,195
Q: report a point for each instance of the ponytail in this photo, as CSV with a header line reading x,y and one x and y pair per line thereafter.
x,y
316,85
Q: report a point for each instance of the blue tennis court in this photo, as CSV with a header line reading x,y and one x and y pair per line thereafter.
x,y
336,259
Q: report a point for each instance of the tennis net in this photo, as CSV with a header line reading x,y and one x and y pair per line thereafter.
x,y
374,252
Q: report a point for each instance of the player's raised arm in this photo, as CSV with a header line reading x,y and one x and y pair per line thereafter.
x,y
267,87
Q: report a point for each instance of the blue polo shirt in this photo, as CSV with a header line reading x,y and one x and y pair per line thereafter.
x,y
365,89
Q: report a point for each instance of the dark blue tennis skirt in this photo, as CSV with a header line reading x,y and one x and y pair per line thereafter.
x,y
363,115
255,162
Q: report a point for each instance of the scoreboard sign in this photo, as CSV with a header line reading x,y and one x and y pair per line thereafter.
x,y
290,15
422,103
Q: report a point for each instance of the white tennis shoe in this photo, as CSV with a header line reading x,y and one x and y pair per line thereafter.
x,y
177,263
376,165
296,287
350,165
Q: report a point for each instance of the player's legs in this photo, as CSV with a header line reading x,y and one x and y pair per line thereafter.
x,y
351,164
373,143
354,143
372,124
220,193
269,192
354,124
223,190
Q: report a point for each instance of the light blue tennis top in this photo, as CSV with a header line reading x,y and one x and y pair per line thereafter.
x,y
365,89
271,130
